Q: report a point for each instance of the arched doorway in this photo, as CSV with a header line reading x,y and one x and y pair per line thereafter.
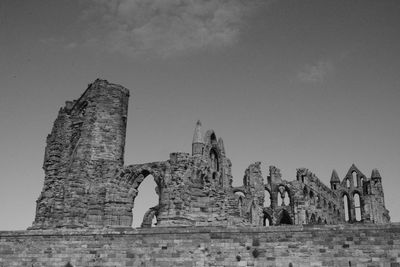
x,y
267,221
285,218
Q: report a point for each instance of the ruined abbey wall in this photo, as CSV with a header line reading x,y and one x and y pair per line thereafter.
x,y
87,184
283,246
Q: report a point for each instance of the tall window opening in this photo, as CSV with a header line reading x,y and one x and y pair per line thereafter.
x,y
145,199
348,183
240,202
346,205
357,207
286,199
279,199
267,199
354,175
214,160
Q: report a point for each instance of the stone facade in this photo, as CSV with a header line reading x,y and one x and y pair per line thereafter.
x,y
87,184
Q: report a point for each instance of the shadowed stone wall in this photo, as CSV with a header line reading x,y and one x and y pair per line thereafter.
x,y
340,245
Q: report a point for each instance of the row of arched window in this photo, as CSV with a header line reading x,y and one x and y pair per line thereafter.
x,y
359,182
356,205
283,198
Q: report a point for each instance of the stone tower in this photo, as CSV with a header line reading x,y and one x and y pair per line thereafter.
x,y
198,142
374,200
85,146
335,181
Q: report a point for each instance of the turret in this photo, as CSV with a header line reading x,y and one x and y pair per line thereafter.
x,y
375,175
335,181
198,142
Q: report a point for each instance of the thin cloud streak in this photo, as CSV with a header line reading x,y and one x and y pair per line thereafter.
x,y
317,72
164,27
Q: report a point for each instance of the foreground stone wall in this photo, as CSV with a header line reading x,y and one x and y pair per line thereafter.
x,y
327,245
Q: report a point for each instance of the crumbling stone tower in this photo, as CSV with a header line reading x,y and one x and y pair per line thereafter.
x,y
85,147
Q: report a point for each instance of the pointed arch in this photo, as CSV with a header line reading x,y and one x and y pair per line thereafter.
x,y
286,198
130,179
357,206
348,183
267,198
214,159
267,221
346,207
279,200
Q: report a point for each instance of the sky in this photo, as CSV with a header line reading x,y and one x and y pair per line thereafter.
x,y
311,83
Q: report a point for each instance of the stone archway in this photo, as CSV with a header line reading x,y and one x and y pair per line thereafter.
x,y
121,195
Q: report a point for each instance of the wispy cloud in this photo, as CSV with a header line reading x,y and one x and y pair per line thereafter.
x,y
317,72
164,27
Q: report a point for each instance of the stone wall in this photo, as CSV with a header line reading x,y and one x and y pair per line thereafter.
x,y
340,245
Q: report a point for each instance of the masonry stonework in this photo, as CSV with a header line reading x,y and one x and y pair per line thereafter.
x,y
88,188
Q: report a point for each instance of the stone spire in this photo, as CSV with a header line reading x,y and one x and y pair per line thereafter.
x,y
335,181
375,174
335,177
198,142
197,136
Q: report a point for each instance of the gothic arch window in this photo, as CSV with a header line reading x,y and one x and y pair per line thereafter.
x,y
280,199
361,182
348,184
357,206
267,220
354,176
267,199
286,198
214,160
346,205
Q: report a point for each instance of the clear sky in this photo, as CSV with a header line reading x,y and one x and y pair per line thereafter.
x,y
294,84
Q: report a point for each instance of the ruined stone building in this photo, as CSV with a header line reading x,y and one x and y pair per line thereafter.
x,y
84,212
87,183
